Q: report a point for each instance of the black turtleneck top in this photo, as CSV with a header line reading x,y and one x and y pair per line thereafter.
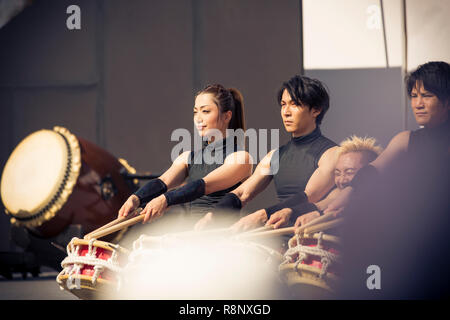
x,y
297,160
204,161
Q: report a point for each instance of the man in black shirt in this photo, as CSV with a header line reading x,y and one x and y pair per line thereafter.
x,y
397,209
305,164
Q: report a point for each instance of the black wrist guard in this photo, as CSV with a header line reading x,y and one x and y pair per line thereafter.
x,y
301,209
229,201
186,193
291,202
363,176
151,190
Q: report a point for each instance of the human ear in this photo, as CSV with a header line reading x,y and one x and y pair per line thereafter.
x,y
316,112
228,115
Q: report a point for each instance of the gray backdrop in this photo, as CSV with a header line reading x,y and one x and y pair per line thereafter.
x,y
127,79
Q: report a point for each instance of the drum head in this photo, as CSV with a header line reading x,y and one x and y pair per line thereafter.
x,y
40,175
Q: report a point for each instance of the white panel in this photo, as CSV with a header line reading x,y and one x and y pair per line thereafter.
x,y
428,31
349,34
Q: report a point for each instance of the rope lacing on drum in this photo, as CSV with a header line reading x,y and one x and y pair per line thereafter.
x,y
140,250
304,252
73,264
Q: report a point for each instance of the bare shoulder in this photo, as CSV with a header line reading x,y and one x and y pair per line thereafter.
x,y
397,146
400,140
267,158
182,159
239,157
329,157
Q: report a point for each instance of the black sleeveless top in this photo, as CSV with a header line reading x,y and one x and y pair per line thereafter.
x,y
429,154
433,141
297,160
201,163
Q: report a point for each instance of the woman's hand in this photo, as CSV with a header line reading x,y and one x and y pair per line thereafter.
x,y
204,222
155,208
130,205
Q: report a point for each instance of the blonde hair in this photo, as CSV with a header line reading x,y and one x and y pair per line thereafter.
x,y
358,144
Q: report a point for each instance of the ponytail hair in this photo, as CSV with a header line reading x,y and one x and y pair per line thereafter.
x,y
228,100
237,120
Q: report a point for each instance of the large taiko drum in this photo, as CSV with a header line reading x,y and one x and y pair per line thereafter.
x,y
54,179
312,266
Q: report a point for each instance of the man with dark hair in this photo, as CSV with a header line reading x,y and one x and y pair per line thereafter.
x,y
304,165
397,209
429,89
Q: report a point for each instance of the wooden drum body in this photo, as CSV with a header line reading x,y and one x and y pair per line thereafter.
x,y
53,179
311,266
92,268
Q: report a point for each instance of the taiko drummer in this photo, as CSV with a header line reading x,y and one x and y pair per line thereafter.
x,y
216,109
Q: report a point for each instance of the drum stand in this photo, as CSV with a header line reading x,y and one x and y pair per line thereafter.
x,y
37,252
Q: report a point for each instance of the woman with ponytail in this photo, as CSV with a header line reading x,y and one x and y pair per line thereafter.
x,y
206,182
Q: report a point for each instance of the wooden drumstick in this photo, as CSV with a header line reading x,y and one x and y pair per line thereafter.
x,y
117,227
323,226
112,223
311,227
325,217
289,230
263,228
270,233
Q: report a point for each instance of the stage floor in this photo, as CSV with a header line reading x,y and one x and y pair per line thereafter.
x,y
43,287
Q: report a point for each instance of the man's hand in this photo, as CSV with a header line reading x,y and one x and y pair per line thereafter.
x,y
308,217
204,222
280,218
251,221
340,202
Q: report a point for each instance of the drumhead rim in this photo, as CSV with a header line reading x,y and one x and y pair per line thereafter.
x,y
65,189
310,236
101,244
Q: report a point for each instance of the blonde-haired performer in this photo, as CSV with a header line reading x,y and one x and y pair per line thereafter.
x,y
366,145
353,154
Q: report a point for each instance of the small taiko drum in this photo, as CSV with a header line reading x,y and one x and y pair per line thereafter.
x,y
186,266
311,266
92,268
53,179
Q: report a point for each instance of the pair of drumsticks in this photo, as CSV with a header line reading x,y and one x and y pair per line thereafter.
x,y
322,223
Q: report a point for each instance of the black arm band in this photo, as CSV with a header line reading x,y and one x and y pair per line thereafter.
x,y
229,201
151,190
363,176
291,202
301,209
187,193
